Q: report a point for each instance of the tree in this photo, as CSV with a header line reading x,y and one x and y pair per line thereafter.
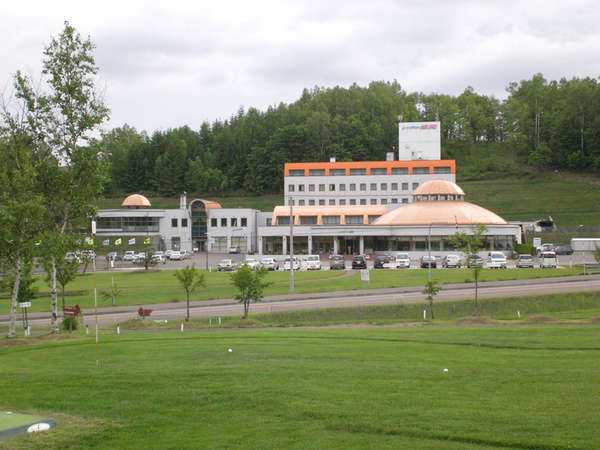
x,y
470,245
190,278
66,271
60,122
431,290
250,285
111,294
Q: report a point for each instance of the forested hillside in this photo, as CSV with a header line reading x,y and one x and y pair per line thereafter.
x,y
542,124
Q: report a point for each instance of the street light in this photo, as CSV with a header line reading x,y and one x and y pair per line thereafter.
x,y
291,246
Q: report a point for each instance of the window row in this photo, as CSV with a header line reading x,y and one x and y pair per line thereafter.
x,y
175,221
232,221
328,220
345,202
371,171
352,187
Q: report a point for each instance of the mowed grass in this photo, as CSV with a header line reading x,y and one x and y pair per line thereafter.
x,y
160,286
532,387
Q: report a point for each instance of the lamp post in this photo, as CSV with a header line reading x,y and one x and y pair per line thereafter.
x,y
291,246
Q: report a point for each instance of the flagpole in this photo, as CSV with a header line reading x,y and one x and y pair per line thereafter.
x,y
95,294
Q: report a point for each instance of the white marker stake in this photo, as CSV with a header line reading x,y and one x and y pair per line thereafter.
x,y
209,322
87,329
182,327
519,313
219,320
424,314
118,329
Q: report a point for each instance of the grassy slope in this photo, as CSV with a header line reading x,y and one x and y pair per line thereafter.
x,y
382,388
161,286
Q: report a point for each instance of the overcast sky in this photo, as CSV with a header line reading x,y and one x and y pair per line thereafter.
x,y
168,64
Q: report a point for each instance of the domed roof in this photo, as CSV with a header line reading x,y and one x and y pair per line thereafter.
x,y
439,187
450,212
136,201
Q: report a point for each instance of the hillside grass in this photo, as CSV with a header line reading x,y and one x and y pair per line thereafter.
x,y
519,387
161,286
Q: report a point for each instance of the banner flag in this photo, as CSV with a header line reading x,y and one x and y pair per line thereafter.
x,y
132,241
118,241
147,241
106,242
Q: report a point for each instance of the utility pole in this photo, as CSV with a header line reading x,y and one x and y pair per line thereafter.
x,y
291,246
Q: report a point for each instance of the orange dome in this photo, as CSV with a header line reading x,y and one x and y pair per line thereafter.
x,y
136,201
439,187
450,212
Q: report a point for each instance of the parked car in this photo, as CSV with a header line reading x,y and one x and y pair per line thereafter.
x,y
402,260
548,259
451,261
311,262
564,249
381,262
129,255
547,247
225,265
185,254
234,250
159,257
336,262
287,265
524,261
88,254
359,262
168,254
113,256
139,258
428,261
474,261
252,263
175,255
269,263
496,260
72,256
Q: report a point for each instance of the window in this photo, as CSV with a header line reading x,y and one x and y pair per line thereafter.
x,y
352,201
283,220
291,188
331,202
321,188
442,169
311,188
354,220
405,186
321,202
244,221
394,200
213,222
363,186
404,200
311,203
234,221
183,223
383,186
331,187
300,188
174,223
342,202
373,218
399,170
352,187
384,201
297,173
223,222
379,171
300,202
337,172
269,222
373,186
358,171
394,186
373,201
342,187
308,220
415,185
363,201
330,220
420,170
316,172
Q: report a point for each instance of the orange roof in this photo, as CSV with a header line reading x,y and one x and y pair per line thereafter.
x,y
438,187
368,165
450,212
320,211
136,201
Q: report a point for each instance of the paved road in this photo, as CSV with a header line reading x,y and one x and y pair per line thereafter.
x,y
225,307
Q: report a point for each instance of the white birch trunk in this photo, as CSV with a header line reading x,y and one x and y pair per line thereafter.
x,y
54,297
12,325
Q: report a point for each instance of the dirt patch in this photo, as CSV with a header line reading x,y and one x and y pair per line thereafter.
x,y
540,319
41,339
595,319
475,320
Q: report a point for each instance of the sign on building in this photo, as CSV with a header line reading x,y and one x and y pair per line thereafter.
x,y
419,140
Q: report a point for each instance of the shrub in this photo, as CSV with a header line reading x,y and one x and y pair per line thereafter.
x,y
525,249
69,323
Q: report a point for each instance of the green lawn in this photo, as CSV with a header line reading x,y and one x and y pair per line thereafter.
x,y
161,286
521,387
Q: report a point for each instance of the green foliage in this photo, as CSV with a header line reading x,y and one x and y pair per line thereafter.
x,y
525,249
250,285
431,290
597,254
69,323
190,278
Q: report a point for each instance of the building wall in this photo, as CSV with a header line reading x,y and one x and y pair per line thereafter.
x,y
232,227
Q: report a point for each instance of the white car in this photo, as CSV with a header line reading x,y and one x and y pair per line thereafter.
x,y
548,259
496,260
287,265
225,265
129,255
139,258
311,262
159,257
185,254
175,256
252,263
402,260
72,256
453,261
269,263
